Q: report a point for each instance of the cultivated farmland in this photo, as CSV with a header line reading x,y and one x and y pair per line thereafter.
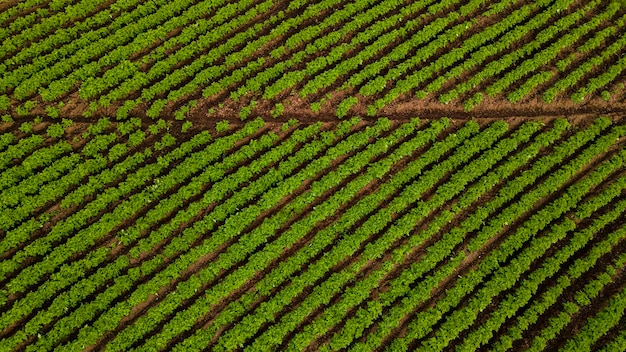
x,y
312,175
159,57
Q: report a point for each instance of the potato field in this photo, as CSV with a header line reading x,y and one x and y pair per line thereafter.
x,y
312,175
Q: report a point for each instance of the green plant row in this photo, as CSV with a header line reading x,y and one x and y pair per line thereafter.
x,y
38,159
354,296
47,24
494,68
584,68
321,294
163,67
87,236
17,151
405,83
505,277
546,55
550,267
63,75
515,300
211,173
65,42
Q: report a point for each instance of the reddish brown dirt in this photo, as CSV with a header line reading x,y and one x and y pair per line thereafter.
x,y
5,5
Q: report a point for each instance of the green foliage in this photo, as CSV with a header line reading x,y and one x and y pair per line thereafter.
x,y
66,123
124,110
620,2
186,126
356,235
126,127
5,103
473,102
136,138
159,126
181,113
316,107
344,106
562,64
163,184
117,152
222,126
279,108
53,112
55,131
26,127
166,141
102,68
245,111
287,125
156,108
26,108
99,127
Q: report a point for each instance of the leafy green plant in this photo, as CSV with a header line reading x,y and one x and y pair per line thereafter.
x,y
245,112
472,102
344,106
26,127
53,112
5,103
186,126
316,106
222,126
24,109
279,108
55,130
287,125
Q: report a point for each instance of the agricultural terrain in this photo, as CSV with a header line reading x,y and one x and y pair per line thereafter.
x,y
312,175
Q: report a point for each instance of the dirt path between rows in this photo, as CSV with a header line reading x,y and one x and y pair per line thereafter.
x,y
490,109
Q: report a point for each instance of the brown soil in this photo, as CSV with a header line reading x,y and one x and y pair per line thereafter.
x,y
5,5
297,108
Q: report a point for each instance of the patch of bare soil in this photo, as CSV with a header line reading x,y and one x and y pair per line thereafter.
x,y
208,112
5,5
